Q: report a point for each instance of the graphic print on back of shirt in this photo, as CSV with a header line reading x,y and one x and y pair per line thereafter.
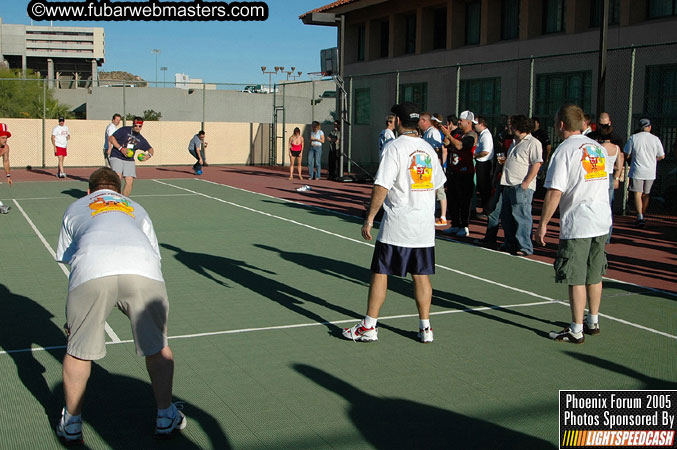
x,y
106,203
421,171
594,162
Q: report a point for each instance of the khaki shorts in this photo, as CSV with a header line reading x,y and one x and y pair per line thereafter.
x,y
581,261
643,186
143,300
440,194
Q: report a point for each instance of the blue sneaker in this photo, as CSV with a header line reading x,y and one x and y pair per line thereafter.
x,y
198,172
166,426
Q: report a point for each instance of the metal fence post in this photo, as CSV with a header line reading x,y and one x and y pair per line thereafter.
x,y
531,87
284,122
458,87
629,129
312,102
204,102
124,105
350,128
397,89
44,117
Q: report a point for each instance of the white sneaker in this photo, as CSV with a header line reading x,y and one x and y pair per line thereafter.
x,y
165,426
426,335
70,433
5,209
462,232
359,333
63,175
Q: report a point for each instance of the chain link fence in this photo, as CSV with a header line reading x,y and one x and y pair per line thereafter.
x,y
245,123
641,81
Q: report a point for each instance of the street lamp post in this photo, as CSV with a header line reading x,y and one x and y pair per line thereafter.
x,y
270,74
164,72
157,52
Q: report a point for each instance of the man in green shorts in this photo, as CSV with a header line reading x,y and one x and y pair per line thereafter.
x,y
578,182
109,243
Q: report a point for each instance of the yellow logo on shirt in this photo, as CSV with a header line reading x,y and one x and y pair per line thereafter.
x,y
421,171
594,162
111,203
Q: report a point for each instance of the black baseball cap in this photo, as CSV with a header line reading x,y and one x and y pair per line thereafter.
x,y
407,112
61,119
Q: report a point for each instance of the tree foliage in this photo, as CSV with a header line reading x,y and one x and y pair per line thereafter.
x,y
23,98
148,115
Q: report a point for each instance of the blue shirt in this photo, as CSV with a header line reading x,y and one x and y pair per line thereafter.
x,y
128,139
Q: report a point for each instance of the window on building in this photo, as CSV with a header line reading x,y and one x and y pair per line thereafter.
x,y
662,8
361,41
473,25
385,38
410,33
362,106
596,12
510,19
553,16
555,89
481,96
417,93
661,90
439,28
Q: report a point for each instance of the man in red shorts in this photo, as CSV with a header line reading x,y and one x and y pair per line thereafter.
x,y
60,137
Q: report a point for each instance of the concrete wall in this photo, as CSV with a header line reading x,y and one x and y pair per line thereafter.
x,y
100,103
229,143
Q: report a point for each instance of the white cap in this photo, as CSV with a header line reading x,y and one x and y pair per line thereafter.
x,y
467,115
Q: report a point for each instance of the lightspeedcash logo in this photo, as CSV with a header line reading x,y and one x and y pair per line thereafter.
x,y
152,10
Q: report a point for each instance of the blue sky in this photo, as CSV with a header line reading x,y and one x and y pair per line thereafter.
x,y
214,51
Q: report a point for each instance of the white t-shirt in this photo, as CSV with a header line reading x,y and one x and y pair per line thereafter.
x,y
316,135
522,154
644,148
110,129
105,234
485,143
60,134
386,136
411,172
578,169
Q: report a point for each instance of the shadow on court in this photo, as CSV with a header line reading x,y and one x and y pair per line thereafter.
x,y
346,271
23,324
396,423
164,169
649,383
121,411
246,275
75,193
53,174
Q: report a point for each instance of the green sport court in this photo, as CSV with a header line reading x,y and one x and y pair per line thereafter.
x,y
260,288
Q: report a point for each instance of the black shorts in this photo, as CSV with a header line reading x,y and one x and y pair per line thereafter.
x,y
295,153
393,260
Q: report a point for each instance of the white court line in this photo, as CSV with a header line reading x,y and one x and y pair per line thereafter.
x,y
287,327
443,238
135,196
532,294
114,337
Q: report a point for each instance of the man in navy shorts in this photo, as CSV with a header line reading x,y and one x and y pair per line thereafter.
x,y
407,177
